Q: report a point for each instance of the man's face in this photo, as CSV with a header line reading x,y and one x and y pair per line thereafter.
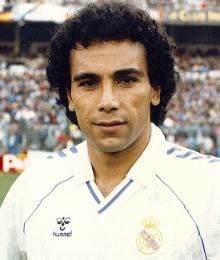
x,y
111,95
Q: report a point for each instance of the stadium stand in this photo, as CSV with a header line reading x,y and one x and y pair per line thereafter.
x,y
193,115
31,120
191,4
198,4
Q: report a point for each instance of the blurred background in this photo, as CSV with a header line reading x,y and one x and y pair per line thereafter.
x,y
31,123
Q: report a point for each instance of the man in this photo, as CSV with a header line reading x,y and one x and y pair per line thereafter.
x,y
125,193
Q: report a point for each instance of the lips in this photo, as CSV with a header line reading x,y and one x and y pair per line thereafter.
x,y
110,127
110,123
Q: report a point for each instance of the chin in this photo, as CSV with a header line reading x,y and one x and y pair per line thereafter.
x,y
111,147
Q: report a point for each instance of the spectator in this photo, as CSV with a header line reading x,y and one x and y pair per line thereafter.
x,y
14,139
24,97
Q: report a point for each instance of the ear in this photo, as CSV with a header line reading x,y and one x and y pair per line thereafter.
x,y
70,100
155,97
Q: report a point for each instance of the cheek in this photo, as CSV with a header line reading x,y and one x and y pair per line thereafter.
x,y
77,109
140,108
83,111
79,102
141,101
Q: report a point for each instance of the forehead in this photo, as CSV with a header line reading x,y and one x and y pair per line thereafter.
x,y
111,55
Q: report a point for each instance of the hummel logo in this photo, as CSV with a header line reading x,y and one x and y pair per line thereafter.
x,y
63,222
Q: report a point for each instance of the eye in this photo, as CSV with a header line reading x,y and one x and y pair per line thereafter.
x,y
88,84
128,80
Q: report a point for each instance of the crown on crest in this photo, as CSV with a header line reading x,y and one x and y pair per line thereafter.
x,y
150,223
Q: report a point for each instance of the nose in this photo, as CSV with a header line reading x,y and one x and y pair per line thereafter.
x,y
108,100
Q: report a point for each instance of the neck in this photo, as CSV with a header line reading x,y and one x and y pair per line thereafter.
x,y
111,168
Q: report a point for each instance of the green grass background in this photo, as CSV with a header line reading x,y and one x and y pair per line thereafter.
x,y
6,181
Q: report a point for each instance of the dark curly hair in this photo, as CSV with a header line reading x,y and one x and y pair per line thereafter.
x,y
106,22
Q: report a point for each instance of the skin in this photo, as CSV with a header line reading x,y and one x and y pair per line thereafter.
x,y
111,95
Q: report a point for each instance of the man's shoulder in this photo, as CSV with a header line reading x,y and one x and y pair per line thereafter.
x,y
182,155
193,178
43,177
70,152
188,169
174,154
59,164
45,173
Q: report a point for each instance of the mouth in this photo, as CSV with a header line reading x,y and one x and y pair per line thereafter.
x,y
110,126
109,123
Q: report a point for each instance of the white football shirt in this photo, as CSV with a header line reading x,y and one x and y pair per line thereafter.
x,y
167,207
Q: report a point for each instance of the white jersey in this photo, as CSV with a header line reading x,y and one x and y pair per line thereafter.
x,y
167,208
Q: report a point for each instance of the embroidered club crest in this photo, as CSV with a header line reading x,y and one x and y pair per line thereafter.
x,y
149,240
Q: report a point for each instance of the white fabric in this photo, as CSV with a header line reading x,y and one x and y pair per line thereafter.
x,y
168,207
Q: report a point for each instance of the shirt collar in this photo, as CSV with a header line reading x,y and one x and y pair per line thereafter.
x,y
149,163
81,167
145,168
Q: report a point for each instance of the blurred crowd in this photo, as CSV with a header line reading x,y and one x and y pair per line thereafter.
x,y
30,119
189,4
193,114
29,116
186,4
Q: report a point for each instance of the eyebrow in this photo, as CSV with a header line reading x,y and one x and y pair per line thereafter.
x,y
116,74
124,72
85,75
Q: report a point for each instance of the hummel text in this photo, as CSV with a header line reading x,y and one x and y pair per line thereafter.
x,y
62,234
